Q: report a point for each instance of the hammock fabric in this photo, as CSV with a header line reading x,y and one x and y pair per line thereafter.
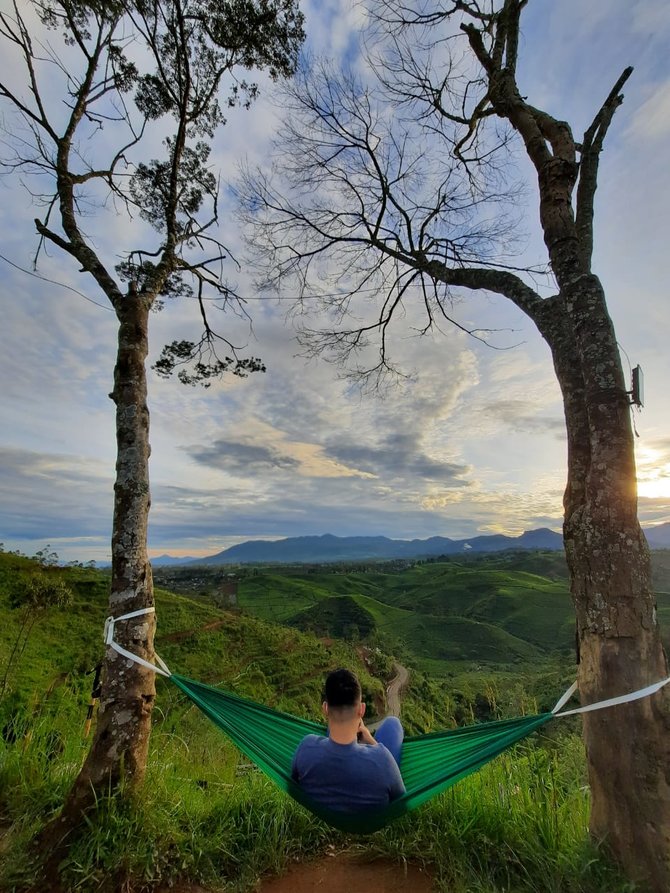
x,y
429,763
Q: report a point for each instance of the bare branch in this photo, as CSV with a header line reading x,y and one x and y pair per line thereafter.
x,y
590,149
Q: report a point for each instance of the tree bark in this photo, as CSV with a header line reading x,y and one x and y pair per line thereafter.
x,y
119,751
619,644
628,750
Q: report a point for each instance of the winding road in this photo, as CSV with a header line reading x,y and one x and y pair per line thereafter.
x,y
393,693
394,689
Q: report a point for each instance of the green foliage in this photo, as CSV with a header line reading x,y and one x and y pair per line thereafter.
x,y
247,655
151,184
35,593
341,617
441,613
32,596
207,816
143,87
520,825
192,355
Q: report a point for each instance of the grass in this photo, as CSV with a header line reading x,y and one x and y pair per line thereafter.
x,y
206,815
438,611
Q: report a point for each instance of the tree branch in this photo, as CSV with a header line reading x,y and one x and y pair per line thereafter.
x,y
590,150
89,260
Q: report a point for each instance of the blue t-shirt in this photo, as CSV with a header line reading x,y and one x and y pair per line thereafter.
x,y
346,777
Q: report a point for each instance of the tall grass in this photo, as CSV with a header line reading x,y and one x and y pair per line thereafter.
x,y
205,814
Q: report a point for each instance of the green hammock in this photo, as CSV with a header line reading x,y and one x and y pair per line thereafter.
x,y
429,763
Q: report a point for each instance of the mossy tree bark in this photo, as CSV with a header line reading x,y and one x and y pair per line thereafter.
x,y
619,643
119,750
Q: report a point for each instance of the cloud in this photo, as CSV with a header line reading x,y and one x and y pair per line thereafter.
x,y
523,416
243,458
47,495
652,119
472,440
650,18
398,456
333,26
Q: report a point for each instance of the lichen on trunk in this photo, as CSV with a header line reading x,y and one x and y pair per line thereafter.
x,y
119,751
618,639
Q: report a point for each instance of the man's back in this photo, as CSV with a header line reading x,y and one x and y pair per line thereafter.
x,y
346,777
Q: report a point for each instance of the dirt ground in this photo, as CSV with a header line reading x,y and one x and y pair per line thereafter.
x,y
350,874
342,873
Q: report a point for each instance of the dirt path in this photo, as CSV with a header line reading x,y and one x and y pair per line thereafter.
x,y
395,687
339,873
393,692
347,873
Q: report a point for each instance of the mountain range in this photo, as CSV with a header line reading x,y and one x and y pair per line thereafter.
x,y
329,548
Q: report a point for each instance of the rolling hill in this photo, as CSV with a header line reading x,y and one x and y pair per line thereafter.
x,y
438,613
268,662
470,612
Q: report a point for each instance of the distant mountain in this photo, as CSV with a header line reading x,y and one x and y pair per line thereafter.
x,y
329,548
658,537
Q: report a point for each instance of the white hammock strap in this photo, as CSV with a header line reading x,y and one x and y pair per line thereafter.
x,y
161,669
610,702
565,697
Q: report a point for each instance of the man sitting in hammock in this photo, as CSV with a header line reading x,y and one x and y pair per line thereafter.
x,y
350,771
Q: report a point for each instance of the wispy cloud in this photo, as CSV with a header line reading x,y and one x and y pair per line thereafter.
x,y
652,118
51,495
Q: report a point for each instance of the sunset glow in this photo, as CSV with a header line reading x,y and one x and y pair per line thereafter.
x,y
653,474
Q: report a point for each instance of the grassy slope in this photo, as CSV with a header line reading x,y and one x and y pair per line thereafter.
x,y
281,667
206,815
247,655
491,609
441,613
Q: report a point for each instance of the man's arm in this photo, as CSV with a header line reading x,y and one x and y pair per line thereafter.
x,y
397,786
295,772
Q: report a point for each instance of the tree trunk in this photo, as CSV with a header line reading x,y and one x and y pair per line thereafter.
x,y
119,750
619,645
627,747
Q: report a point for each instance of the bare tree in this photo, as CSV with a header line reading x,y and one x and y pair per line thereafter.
x,y
404,186
132,74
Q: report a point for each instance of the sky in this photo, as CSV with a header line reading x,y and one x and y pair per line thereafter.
x,y
470,441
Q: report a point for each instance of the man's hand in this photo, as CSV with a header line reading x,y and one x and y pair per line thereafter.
x,y
363,735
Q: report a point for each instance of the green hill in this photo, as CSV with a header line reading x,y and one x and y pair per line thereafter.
x,y
338,616
246,654
436,612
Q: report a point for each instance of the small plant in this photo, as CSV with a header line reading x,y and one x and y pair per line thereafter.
x,y
33,595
